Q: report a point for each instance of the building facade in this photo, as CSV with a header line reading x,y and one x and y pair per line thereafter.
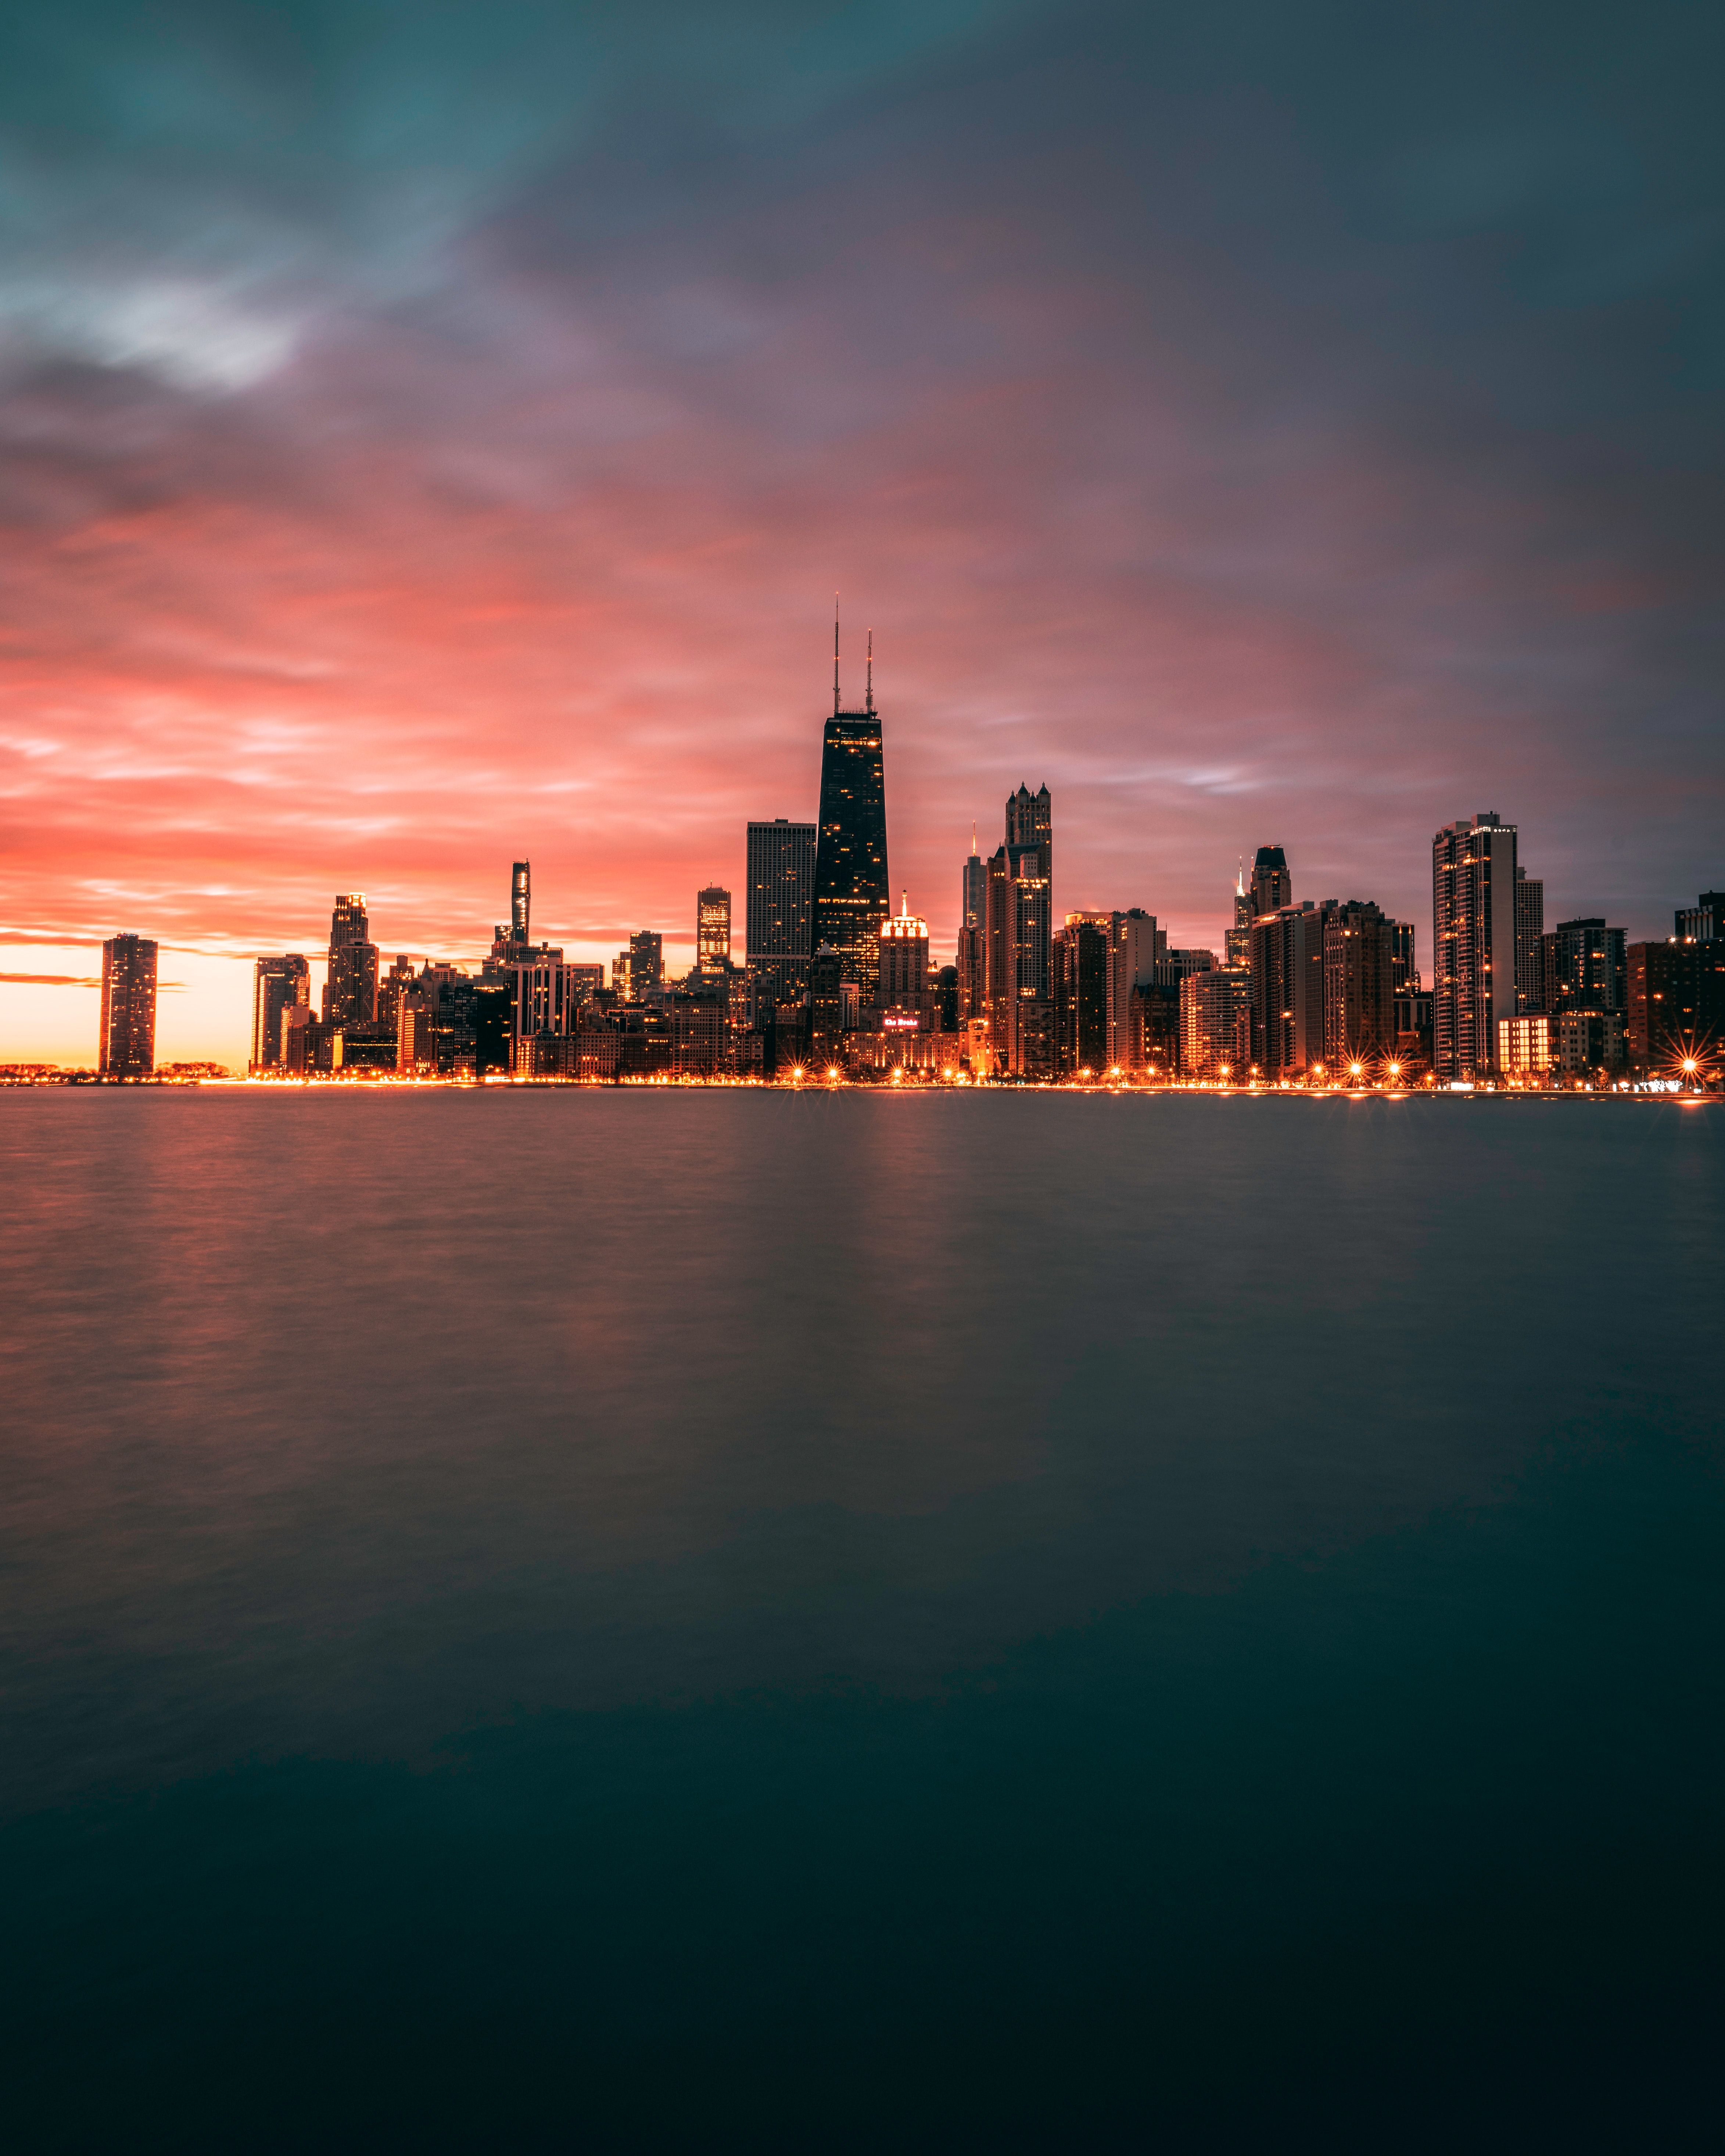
x,y
278,984
712,929
1359,985
1216,1022
1473,883
779,911
851,887
350,991
127,1046
1530,930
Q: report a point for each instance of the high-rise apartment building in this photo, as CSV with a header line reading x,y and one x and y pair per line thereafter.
x,y
971,953
1080,991
1703,922
851,896
1216,1022
1359,985
350,993
278,984
779,916
521,902
1288,1004
1584,968
712,929
392,986
127,1047
1473,882
1134,945
643,965
1530,931
1677,1001
1407,972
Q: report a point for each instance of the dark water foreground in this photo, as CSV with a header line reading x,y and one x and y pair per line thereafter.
x,y
621,1620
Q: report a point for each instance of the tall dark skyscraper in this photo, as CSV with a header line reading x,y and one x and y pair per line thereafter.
x,y
1530,930
280,984
851,899
127,1048
779,921
1272,886
350,993
520,902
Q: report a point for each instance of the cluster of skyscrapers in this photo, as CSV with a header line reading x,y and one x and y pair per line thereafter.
x,y
835,983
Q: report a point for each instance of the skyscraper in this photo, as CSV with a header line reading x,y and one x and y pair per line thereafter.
x,y
1237,943
350,993
1530,928
278,984
712,929
1287,976
901,984
1133,947
1583,964
973,942
1272,886
780,914
1359,984
1473,915
646,963
127,1048
1081,982
1703,922
850,880
1029,822
520,902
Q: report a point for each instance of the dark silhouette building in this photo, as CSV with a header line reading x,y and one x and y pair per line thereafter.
x,y
127,1048
779,922
1676,1003
1272,886
1530,931
851,896
350,993
1287,976
1081,987
1703,922
278,985
1359,985
1583,968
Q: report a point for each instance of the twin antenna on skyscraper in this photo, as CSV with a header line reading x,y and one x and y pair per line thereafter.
x,y
869,705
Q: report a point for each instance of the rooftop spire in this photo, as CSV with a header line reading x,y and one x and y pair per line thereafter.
x,y
836,654
869,705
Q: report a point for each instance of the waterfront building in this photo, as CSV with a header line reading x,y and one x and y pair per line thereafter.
x,y
1081,986
127,1045
1587,1044
1288,974
827,1007
277,985
1676,1001
1583,966
1216,1022
1134,945
972,956
712,929
1359,985
350,991
302,1036
1413,1026
779,919
1530,931
1524,1046
851,891
902,966
1473,882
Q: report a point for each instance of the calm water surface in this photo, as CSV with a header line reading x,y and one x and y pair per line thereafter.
x,y
627,1620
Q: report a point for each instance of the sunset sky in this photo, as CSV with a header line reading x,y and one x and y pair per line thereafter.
x,y
434,435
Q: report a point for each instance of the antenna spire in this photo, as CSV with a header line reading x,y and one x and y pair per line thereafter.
x,y
836,654
869,706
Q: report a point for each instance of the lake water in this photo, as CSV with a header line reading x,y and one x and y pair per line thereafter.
x,y
629,1620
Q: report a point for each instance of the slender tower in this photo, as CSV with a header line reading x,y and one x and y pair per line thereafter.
x,y
851,898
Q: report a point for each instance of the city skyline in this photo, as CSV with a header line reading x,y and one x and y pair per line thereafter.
x,y
1322,470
